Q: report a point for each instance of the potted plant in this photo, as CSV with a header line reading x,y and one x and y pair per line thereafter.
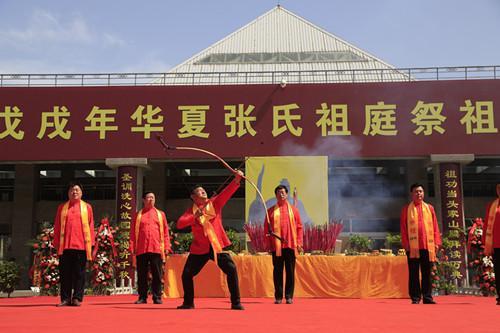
x,y
393,242
358,244
9,276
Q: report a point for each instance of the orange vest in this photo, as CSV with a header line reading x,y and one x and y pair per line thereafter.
x,y
277,227
84,214
208,228
412,220
162,235
488,240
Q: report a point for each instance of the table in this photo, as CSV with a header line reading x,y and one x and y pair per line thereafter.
x,y
315,276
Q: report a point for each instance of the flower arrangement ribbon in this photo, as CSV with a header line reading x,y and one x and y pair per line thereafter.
x,y
104,227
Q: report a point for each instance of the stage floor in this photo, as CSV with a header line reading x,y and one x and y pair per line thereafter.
x,y
119,314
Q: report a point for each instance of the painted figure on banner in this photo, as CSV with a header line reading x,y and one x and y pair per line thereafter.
x,y
73,239
209,240
491,237
149,244
421,239
256,211
285,222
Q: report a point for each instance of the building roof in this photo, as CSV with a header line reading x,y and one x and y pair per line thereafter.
x,y
280,45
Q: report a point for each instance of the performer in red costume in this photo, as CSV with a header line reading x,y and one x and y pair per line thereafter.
x,y
491,237
421,239
285,223
209,240
73,240
150,243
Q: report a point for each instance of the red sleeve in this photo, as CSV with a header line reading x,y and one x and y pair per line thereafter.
x,y
270,239
168,246
57,228
404,228
485,223
91,224
186,220
131,240
298,221
221,199
437,234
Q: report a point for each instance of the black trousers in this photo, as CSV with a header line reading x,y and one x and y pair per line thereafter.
x,y
496,267
416,290
72,274
146,262
287,259
195,263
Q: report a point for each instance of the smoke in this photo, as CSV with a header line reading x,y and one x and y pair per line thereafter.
x,y
368,193
331,146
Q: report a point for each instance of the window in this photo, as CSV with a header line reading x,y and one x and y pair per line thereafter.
x,y
182,176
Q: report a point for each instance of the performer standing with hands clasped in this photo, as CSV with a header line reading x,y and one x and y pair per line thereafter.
x,y
73,239
209,238
150,243
491,237
421,239
286,224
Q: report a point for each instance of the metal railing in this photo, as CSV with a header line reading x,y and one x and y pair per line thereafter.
x,y
226,78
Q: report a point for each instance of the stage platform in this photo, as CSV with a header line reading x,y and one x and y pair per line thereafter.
x,y
316,276
118,314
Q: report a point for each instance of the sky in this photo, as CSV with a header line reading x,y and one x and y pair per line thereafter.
x,y
109,36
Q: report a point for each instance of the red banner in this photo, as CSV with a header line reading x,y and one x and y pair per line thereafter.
x,y
344,120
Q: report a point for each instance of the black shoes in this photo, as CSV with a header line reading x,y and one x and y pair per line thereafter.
x,y
74,302
145,301
237,306
287,301
64,303
429,302
185,306
415,301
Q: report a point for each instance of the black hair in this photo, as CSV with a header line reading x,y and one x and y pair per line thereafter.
x,y
280,187
195,187
146,193
415,185
74,183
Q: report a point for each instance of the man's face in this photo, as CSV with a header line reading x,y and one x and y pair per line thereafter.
x,y
149,200
199,193
417,194
281,195
75,193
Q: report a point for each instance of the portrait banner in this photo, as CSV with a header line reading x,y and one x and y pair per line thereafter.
x,y
306,176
